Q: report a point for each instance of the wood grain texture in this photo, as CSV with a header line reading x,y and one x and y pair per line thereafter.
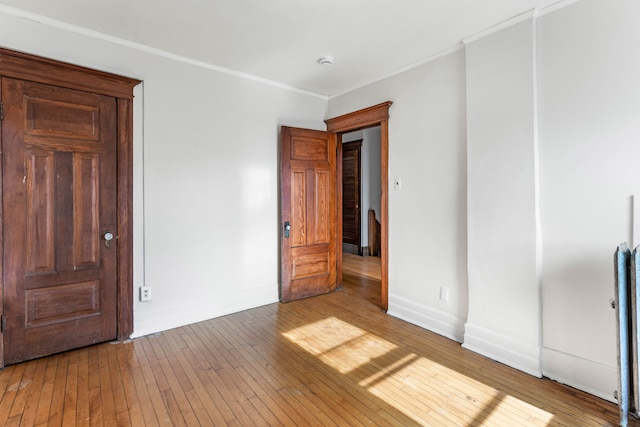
x,y
38,69
335,359
351,193
80,122
369,117
308,204
125,217
59,192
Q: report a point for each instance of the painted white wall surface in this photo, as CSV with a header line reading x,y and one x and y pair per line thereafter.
x,y
427,217
504,307
206,174
589,150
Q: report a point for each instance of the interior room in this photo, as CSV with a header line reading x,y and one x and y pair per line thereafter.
x,y
511,143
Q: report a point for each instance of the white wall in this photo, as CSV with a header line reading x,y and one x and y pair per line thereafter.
x,y
206,174
589,150
427,217
503,321
370,175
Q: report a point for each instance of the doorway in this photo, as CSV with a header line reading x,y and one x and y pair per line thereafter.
x,y
361,192
377,115
311,204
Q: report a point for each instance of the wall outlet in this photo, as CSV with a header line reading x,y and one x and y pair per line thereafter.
x,y
145,293
444,294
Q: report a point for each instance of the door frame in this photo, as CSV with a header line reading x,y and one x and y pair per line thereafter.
x,y
42,70
377,115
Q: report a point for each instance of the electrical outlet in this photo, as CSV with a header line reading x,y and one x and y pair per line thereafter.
x,y
145,293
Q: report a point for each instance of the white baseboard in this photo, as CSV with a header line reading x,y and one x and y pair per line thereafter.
x,y
504,349
148,321
586,375
435,320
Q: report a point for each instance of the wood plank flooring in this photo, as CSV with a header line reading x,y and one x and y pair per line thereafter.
x,y
333,360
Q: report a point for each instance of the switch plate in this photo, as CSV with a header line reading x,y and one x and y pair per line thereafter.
x,y
145,293
444,294
397,183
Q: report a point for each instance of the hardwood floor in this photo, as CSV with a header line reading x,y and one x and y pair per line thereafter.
x,y
336,359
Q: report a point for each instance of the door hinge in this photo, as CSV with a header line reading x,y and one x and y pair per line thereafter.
x,y
3,323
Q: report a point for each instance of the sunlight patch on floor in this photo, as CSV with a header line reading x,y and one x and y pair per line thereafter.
x,y
390,372
340,345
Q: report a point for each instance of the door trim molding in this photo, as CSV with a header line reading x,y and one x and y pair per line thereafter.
x,y
47,71
369,117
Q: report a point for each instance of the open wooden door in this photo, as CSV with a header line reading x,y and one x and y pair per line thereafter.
x,y
309,209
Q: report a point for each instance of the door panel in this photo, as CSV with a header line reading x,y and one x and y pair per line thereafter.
x,y
59,195
351,186
308,190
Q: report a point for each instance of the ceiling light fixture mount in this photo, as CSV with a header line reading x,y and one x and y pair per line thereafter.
x,y
325,61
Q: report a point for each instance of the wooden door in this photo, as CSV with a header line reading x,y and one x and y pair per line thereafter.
x,y
351,189
60,204
309,202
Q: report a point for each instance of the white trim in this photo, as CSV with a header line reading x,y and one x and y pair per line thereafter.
x,y
503,349
533,13
173,317
586,375
500,26
432,319
408,67
556,6
147,49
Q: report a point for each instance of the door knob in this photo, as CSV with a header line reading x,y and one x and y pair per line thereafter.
x,y
108,237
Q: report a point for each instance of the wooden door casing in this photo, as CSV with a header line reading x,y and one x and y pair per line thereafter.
x,y
351,194
309,201
32,68
377,115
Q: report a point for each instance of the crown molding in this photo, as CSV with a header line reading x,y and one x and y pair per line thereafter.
x,y
54,23
556,6
408,67
530,14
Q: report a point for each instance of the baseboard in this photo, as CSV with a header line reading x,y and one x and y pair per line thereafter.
x,y
430,318
586,375
147,321
350,249
503,349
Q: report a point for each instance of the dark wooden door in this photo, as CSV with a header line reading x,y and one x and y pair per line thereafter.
x,y
351,189
59,203
309,201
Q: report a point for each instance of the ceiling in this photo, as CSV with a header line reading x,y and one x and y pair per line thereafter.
x,y
281,40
